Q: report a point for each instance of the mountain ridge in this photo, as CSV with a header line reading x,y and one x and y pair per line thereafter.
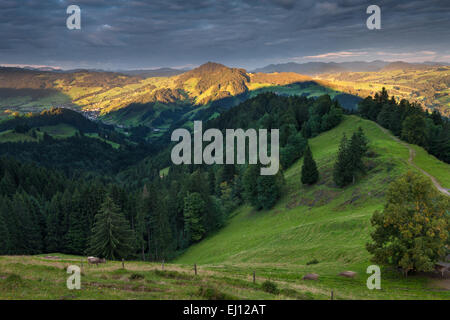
x,y
101,93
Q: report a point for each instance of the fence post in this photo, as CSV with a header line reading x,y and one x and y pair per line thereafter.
x,y
162,265
254,277
195,268
332,295
123,263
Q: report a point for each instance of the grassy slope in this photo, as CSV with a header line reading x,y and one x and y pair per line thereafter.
x,y
60,131
320,222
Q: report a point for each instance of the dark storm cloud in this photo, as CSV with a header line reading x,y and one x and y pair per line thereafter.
x,y
132,33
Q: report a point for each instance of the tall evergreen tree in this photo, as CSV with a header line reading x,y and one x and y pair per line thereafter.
x,y
162,241
140,225
4,234
194,208
269,191
75,238
26,212
357,148
54,224
111,237
342,172
310,175
249,183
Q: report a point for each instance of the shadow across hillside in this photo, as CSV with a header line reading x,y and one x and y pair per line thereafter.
x,y
164,116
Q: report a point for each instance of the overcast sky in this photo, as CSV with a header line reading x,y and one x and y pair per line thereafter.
x,y
131,34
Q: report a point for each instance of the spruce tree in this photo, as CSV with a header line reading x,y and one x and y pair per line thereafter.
x,y
357,148
194,208
4,235
11,223
140,226
75,238
269,191
111,237
7,184
310,175
29,236
249,183
342,172
54,233
162,240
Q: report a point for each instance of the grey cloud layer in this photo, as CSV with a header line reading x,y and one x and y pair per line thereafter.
x,y
133,33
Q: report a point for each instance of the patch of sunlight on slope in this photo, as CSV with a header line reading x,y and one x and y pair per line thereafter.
x,y
320,222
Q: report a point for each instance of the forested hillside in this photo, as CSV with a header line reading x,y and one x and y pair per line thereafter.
x,y
165,214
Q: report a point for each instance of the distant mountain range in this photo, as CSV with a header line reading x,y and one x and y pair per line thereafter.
x,y
148,73
316,68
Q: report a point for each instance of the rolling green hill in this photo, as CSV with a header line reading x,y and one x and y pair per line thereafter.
x,y
322,223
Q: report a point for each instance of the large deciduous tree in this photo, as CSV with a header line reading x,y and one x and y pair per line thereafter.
x,y
413,229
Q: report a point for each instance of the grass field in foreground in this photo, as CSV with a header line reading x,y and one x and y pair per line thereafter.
x,y
38,277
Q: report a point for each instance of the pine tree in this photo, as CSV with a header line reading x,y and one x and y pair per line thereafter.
x,y
310,175
8,184
342,173
75,238
357,148
161,233
249,183
26,213
4,235
111,237
194,208
11,223
269,191
140,225
54,235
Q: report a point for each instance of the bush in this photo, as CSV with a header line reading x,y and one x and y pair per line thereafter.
x,y
172,274
270,287
313,261
213,294
13,281
296,295
136,276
